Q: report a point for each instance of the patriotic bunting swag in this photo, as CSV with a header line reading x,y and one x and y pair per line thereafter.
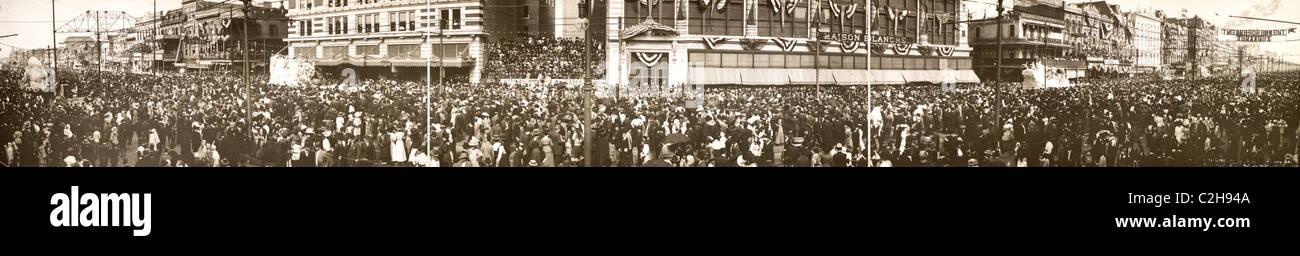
x,y
902,49
787,45
946,50
713,42
649,59
849,46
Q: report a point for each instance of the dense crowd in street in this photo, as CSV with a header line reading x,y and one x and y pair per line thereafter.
x,y
535,57
113,119
1133,122
191,120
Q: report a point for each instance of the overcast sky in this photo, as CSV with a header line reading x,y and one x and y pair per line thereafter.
x,y
30,18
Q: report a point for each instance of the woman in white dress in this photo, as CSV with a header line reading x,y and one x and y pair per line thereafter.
x,y
398,151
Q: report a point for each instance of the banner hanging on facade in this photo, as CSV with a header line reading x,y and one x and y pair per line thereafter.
x,y
1257,35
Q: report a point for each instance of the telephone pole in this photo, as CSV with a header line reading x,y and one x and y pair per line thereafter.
x,y
54,48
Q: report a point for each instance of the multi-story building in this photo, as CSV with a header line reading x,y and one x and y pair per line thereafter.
x,y
1033,33
1202,38
1146,40
666,44
388,37
1107,38
1174,47
202,35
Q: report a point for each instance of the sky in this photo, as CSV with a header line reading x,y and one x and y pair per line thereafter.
x,y
30,18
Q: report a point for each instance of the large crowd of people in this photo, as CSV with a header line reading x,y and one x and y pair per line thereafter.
x,y
205,120
116,119
536,57
1130,122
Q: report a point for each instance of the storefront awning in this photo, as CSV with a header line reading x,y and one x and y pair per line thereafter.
x,y
764,76
711,76
887,77
964,76
923,76
805,76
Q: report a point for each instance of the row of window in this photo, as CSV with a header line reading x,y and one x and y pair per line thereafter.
x,y
308,4
369,23
394,51
762,60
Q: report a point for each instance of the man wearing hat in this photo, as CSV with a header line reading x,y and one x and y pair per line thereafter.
x,y
797,155
462,160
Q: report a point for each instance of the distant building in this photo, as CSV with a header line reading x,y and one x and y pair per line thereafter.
x,y
1174,35
203,36
1146,39
1201,44
386,37
1034,32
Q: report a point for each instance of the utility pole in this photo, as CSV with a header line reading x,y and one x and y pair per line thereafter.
x,y
248,91
54,47
99,55
997,86
587,89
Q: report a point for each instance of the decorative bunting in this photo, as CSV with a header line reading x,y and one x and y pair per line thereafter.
x,y
877,48
750,44
902,49
849,46
946,50
787,45
776,6
924,50
943,19
721,5
650,59
713,42
848,13
835,10
817,46
896,15
789,6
